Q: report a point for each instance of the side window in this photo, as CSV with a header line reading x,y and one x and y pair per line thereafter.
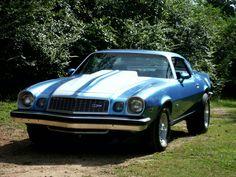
x,y
180,66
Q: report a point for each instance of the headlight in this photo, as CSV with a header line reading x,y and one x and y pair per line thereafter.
x,y
26,99
118,106
135,105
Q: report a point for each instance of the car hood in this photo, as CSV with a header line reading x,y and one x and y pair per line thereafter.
x,y
103,84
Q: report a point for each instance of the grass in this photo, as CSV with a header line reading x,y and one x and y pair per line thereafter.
x,y
5,109
5,119
229,103
224,109
211,154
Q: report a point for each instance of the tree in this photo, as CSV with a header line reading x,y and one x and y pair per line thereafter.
x,y
196,32
35,37
38,35
228,7
225,57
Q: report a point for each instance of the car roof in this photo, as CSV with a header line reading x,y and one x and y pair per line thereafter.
x,y
137,51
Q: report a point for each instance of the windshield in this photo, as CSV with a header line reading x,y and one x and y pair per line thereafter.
x,y
144,64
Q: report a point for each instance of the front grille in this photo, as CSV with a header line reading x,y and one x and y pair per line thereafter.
x,y
60,104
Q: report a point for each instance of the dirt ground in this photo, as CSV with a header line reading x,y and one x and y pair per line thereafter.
x,y
19,158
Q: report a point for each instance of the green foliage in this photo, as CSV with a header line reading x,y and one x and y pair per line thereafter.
x,y
35,37
225,57
142,35
197,29
228,7
40,39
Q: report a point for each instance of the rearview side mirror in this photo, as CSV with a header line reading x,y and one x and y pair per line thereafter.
x,y
182,76
70,71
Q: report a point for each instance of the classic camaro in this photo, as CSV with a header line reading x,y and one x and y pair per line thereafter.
x,y
122,91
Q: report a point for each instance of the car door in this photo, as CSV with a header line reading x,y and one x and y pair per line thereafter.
x,y
187,91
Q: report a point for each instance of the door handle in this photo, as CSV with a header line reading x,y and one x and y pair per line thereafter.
x,y
197,86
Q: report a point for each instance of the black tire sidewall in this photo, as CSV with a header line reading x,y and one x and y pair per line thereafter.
x,y
155,142
196,122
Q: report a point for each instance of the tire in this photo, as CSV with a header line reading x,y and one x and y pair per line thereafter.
x,y
200,121
159,132
38,134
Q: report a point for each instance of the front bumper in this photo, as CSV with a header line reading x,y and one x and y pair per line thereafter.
x,y
84,122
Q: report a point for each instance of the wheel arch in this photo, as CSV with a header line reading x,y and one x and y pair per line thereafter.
x,y
166,102
156,140
206,96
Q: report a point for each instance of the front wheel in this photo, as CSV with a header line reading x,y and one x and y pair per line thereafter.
x,y
159,132
200,121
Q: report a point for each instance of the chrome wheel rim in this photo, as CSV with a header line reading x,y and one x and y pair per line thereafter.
x,y
206,115
163,130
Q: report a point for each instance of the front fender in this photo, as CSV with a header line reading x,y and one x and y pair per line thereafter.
x,y
155,106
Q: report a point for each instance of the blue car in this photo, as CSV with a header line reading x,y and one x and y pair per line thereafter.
x,y
119,91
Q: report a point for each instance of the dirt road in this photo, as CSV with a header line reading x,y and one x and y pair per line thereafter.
x,y
18,158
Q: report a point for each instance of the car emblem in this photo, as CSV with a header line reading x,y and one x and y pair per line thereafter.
x,y
96,105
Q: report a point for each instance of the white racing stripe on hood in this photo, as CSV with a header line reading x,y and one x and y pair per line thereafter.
x,y
72,86
115,84
101,84
128,87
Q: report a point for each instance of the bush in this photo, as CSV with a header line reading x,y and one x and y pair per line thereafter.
x,y
35,37
40,39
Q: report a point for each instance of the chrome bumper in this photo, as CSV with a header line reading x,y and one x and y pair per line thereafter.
x,y
94,122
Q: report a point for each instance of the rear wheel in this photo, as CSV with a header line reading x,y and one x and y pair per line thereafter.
x,y
159,132
200,121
